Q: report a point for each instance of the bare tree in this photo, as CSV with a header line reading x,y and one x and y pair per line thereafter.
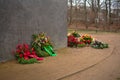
x,y
70,19
109,13
97,14
116,6
94,12
106,7
86,18
70,6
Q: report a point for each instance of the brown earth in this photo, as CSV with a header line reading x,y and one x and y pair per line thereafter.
x,y
71,63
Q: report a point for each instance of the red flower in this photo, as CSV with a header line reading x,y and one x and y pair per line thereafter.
x,y
80,42
39,58
33,52
19,46
18,51
35,56
26,46
26,53
83,36
32,56
21,55
32,49
72,39
89,41
26,57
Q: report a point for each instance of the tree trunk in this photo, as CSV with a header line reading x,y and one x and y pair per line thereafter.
x,y
70,19
106,13
86,23
97,14
109,14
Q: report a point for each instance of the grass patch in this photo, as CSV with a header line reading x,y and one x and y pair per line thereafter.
x,y
92,31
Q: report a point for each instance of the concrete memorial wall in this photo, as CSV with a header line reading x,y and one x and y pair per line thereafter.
x,y
19,19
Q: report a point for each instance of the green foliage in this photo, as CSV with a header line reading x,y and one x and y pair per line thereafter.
x,y
75,34
80,45
99,45
34,36
39,50
29,61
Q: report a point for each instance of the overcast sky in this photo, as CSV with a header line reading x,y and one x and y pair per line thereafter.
x,y
114,4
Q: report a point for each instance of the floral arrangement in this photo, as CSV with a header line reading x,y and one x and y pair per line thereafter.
x,y
42,45
75,34
74,41
81,44
41,39
25,55
87,39
99,45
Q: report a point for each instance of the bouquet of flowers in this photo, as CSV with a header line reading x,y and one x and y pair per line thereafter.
x,y
42,45
87,39
74,40
25,55
99,45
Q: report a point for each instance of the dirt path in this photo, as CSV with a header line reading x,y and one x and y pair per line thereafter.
x,y
68,62
109,69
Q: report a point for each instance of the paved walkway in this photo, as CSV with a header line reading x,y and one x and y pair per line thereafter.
x,y
68,62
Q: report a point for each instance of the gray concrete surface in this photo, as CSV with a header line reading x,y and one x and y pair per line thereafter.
x,y
19,19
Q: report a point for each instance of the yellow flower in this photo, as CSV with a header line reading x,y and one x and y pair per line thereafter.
x,y
68,34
